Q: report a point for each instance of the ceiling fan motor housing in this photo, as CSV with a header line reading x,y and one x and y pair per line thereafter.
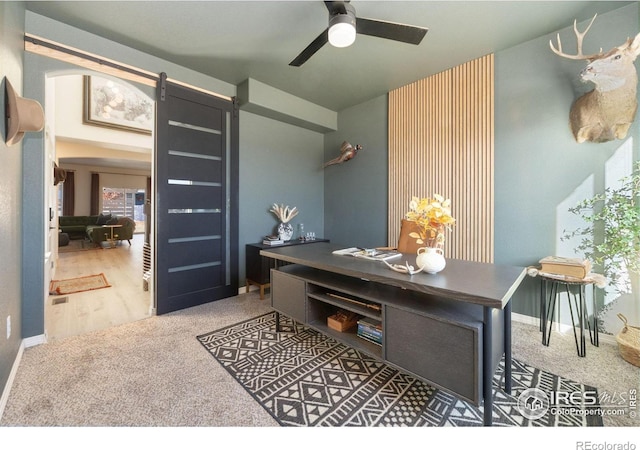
x,y
342,26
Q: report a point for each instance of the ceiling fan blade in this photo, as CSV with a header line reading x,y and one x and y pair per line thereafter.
x,y
311,49
390,30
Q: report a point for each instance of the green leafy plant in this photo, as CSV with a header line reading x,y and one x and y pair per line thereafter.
x,y
611,238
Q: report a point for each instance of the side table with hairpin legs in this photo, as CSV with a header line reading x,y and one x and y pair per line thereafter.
x,y
551,287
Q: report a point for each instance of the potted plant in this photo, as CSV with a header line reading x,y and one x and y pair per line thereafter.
x,y
611,237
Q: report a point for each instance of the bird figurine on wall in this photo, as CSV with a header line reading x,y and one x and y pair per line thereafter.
x,y
347,152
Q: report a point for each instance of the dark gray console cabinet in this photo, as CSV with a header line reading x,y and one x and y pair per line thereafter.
x,y
257,267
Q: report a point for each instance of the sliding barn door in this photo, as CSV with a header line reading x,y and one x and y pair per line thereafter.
x,y
196,202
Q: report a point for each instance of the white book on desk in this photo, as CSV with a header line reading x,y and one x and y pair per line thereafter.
x,y
371,254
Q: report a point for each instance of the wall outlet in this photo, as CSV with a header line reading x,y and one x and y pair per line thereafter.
x,y
8,327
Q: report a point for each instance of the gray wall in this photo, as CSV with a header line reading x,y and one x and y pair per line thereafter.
x,y
540,170
279,163
355,192
11,67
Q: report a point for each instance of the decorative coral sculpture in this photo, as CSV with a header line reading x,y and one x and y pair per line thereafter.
x,y
284,213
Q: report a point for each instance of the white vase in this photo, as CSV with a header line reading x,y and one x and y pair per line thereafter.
x,y
430,259
285,231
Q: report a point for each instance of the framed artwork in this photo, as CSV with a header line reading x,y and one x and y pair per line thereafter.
x,y
110,104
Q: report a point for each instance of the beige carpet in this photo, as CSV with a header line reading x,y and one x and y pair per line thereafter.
x,y
155,373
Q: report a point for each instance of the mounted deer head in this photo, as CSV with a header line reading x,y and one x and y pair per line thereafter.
x,y
607,112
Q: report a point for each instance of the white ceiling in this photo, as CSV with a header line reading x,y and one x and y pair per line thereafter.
x,y
236,40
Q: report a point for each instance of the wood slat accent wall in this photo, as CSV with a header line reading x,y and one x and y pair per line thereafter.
x,y
441,141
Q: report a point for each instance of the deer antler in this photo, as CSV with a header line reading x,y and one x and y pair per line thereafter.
x,y
579,38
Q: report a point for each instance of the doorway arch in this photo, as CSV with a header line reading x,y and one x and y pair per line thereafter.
x,y
37,186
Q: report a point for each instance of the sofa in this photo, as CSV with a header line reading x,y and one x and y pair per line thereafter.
x,y
94,229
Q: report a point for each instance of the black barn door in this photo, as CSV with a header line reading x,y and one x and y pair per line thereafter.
x,y
196,202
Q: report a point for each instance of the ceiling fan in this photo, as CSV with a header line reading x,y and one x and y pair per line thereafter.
x,y
343,26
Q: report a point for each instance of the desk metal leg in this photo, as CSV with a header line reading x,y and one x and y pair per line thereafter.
x,y
276,266
487,366
507,348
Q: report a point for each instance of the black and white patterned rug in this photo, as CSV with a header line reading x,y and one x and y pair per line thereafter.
x,y
304,378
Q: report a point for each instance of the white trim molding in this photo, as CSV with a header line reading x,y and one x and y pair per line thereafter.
x,y
12,375
560,328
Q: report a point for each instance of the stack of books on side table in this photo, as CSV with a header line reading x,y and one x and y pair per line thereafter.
x,y
568,267
272,240
370,329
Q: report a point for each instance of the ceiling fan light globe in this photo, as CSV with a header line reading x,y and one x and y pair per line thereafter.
x,y
342,34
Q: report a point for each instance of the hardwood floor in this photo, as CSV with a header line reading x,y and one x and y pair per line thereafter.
x,y
125,301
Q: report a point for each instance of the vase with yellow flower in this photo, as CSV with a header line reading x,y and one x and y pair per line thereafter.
x,y
432,217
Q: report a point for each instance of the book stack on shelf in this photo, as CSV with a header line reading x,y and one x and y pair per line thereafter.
x,y
370,330
561,267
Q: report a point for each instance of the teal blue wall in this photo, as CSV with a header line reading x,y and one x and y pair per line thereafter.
x,y
540,171
11,68
279,163
355,192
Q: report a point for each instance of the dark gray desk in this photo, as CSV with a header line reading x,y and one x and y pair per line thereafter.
x,y
466,300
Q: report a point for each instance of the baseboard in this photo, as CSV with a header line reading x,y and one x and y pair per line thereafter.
x,y
12,375
34,340
525,319
243,289
560,328
607,339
